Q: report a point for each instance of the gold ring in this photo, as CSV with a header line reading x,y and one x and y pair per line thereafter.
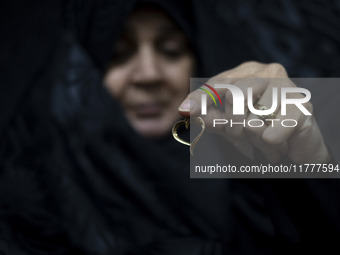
x,y
265,118
186,123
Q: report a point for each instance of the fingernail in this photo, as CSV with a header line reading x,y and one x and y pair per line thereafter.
x,y
185,106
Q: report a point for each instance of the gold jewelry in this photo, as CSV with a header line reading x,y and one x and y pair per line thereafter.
x,y
186,123
265,117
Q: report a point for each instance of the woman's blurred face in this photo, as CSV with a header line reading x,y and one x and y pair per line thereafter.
x,y
150,72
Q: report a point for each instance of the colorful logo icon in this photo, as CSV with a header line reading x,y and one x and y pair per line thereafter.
x,y
209,93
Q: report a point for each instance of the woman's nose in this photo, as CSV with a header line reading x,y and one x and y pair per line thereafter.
x,y
147,69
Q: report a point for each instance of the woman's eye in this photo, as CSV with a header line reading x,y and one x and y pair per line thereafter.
x,y
123,50
172,52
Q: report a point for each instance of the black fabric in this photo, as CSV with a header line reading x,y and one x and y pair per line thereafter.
x,y
98,24
30,33
76,179
94,189
301,35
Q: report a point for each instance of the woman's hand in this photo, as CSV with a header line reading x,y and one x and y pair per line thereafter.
x,y
302,143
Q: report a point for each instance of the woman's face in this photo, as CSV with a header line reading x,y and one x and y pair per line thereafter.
x,y
150,72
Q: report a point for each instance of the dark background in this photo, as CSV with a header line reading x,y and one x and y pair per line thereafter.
x,y
301,35
64,153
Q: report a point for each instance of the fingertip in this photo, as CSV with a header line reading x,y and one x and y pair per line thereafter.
x,y
186,106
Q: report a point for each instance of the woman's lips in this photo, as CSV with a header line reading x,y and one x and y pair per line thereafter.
x,y
148,109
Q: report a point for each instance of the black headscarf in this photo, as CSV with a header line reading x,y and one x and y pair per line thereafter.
x,y
97,25
76,179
